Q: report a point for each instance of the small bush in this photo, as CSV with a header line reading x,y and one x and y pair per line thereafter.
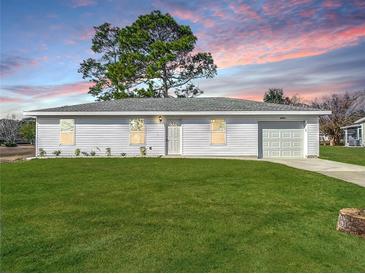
x,y
42,152
77,152
92,153
7,144
108,151
57,152
85,153
123,154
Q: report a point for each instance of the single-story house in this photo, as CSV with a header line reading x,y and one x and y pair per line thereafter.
x,y
180,126
354,134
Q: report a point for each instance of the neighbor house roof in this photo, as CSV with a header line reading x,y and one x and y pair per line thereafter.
x,y
361,120
356,124
169,105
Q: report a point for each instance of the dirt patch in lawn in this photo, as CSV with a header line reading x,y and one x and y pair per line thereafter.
x,y
10,154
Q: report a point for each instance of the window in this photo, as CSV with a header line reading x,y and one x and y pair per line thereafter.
x,y
136,131
67,135
218,131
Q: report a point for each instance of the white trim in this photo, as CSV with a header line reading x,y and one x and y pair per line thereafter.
x,y
305,139
60,133
351,126
36,137
211,131
144,133
180,136
167,113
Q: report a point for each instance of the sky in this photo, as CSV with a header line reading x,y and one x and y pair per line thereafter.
x,y
310,48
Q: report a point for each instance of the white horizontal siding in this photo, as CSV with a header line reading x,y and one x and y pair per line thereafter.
x,y
241,138
99,133
312,137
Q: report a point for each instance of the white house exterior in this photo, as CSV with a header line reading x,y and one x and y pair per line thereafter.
x,y
180,126
354,134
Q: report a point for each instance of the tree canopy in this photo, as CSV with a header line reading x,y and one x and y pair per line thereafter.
x,y
274,95
153,57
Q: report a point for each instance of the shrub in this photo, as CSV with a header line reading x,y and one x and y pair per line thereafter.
x,y
123,154
7,144
42,152
57,152
85,153
108,151
27,131
92,153
77,152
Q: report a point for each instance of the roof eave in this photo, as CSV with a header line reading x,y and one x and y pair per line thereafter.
x,y
174,113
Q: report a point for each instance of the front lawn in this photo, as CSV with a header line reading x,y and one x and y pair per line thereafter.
x,y
351,155
174,215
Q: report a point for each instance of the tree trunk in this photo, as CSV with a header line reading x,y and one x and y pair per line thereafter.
x,y
352,220
165,85
332,142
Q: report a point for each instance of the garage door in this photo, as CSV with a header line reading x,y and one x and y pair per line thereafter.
x,y
282,139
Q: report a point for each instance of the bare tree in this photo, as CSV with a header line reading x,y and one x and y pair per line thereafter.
x,y
340,105
358,105
9,128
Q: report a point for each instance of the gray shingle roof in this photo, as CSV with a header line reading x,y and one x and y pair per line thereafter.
x,y
177,104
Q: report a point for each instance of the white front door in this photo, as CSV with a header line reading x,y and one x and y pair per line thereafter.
x,y
173,137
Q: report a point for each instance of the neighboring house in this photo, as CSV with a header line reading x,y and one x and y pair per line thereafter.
x,y
180,126
354,134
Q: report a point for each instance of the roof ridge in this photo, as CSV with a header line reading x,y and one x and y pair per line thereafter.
x,y
177,104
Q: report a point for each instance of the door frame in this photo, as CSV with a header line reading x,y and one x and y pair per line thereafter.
x,y
167,135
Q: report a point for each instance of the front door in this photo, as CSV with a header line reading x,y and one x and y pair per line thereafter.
x,y
173,137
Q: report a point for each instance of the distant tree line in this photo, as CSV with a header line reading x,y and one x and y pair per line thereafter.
x,y
13,131
346,108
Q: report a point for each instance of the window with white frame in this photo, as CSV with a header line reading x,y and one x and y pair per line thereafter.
x,y
218,131
67,132
136,131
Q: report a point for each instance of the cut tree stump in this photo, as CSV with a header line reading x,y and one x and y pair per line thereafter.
x,y
352,220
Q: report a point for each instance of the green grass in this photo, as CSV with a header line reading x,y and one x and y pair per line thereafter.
x,y
351,155
174,215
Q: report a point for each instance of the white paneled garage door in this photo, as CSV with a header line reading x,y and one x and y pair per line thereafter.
x,y
283,140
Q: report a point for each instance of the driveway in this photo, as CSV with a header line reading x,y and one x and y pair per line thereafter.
x,y
347,172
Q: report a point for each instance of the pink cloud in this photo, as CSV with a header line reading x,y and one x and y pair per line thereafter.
x,y
5,100
42,92
180,11
65,90
79,36
87,34
12,64
193,17
308,12
332,4
269,47
244,9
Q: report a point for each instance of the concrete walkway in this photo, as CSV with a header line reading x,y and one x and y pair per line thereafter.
x,y
347,172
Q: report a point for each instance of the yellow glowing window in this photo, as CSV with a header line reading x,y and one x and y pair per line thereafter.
x,y
218,131
67,129
136,131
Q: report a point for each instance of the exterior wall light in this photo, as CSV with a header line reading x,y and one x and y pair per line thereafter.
x,y
160,118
